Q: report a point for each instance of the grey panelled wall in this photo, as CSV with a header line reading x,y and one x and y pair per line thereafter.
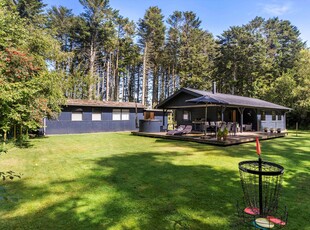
x,y
269,123
64,124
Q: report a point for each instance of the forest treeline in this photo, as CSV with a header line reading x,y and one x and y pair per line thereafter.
x,y
102,55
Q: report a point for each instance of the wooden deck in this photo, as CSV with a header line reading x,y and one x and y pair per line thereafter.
x,y
239,138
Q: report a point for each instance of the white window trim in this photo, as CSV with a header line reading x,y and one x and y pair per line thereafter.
x,y
96,116
77,116
186,115
116,114
125,115
120,115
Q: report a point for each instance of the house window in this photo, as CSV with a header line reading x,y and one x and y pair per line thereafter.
x,y
263,115
186,115
279,116
77,116
125,114
96,115
116,115
120,114
274,117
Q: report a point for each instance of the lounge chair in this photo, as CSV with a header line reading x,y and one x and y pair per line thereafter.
x,y
172,132
186,130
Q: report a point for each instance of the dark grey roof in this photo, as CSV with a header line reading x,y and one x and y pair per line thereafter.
x,y
206,100
231,100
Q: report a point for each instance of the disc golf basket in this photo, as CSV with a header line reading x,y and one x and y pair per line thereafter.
x,y
261,185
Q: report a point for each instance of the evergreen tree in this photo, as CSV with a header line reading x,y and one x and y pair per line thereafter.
x,y
152,34
97,18
191,50
173,49
254,55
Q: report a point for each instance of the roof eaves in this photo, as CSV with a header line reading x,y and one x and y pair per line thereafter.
x,y
182,90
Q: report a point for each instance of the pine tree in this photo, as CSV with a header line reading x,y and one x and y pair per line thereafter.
x,y
152,34
97,17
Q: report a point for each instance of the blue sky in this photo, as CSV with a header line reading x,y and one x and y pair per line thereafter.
x,y
216,15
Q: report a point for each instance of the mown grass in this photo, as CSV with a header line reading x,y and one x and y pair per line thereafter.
x,y
120,181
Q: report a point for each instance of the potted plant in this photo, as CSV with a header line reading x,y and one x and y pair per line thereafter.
x,y
278,130
225,134
265,129
271,130
219,135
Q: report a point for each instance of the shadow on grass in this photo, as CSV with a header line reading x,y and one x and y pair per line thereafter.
x,y
152,190
295,149
133,191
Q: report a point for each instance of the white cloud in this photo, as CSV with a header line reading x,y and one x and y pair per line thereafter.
x,y
277,9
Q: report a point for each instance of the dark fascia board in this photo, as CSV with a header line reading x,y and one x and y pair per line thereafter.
x,y
182,90
102,104
155,110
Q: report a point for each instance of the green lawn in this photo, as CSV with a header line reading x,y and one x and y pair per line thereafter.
x,y
120,181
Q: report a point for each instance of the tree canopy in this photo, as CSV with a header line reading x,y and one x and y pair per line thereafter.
x,y
102,55
28,90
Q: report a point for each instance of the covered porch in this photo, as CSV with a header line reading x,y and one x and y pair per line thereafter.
x,y
204,118
213,111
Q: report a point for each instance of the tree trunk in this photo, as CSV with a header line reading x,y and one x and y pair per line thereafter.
x,y
116,79
4,137
155,87
14,132
162,88
112,80
91,69
103,80
144,77
131,80
108,79
173,80
138,83
98,88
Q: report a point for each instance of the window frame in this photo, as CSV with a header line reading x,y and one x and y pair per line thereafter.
x,y
263,115
273,115
188,114
125,114
96,116
116,114
75,117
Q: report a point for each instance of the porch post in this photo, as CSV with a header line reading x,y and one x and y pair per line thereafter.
x,y
222,112
241,110
284,120
257,121
163,117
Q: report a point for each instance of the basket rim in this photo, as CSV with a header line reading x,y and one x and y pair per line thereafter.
x,y
266,173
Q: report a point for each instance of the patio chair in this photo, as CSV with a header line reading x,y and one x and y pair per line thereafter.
x,y
172,132
235,128
212,128
186,130
248,127
205,127
222,127
229,128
